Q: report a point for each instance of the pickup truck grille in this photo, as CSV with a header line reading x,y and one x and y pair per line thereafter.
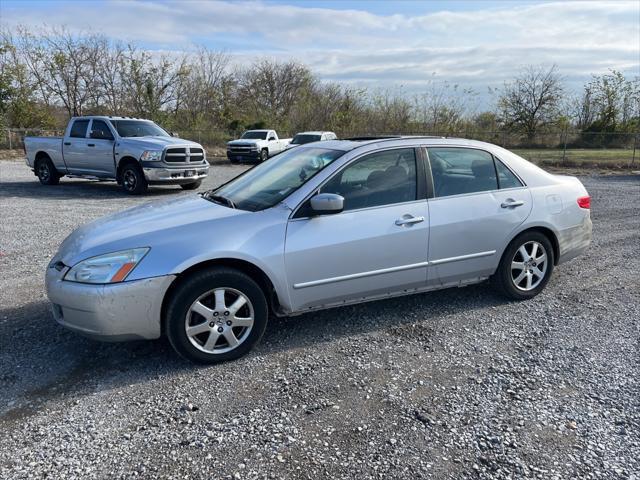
x,y
184,154
240,148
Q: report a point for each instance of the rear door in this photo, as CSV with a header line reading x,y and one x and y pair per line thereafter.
x,y
377,245
74,146
477,204
100,149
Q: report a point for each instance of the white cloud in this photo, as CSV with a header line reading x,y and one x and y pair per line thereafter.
x,y
476,47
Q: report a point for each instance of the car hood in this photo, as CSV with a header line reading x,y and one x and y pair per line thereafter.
x,y
248,141
142,226
150,143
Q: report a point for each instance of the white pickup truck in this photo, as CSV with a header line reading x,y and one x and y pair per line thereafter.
x,y
256,145
134,152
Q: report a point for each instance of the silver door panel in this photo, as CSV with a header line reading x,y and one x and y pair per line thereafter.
x,y
469,232
356,254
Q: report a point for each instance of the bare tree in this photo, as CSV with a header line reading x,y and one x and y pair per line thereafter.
x,y
64,65
443,106
531,101
272,88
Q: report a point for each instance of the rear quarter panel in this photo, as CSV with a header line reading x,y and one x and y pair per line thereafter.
x,y
52,146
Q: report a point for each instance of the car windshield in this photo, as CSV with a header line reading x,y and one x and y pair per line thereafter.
x,y
301,139
270,182
138,128
255,135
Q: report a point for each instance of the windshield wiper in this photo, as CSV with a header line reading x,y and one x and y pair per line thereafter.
x,y
219,199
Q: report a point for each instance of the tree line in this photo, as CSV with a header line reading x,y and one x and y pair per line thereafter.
x,y
50,74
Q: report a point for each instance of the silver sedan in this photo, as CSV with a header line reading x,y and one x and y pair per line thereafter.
x,y
319,226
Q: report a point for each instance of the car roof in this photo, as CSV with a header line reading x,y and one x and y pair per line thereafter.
x,y
108,117
352,144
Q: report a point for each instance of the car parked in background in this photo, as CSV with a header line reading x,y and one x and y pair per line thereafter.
x,y
134,152
308,137
256,145
321,225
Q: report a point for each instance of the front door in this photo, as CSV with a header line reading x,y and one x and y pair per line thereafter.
x,y
478,203
100,149
376,246
75,147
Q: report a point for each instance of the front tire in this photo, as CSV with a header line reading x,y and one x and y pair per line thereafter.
x,y
133,180
46,172
216,315
191,186
264,155
525,267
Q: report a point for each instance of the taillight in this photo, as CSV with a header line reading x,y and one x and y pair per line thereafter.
x,y
584,202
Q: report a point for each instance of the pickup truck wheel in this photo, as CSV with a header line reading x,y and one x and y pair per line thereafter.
x,y
525,267
133,181
216,315
191,186
47,173
264,155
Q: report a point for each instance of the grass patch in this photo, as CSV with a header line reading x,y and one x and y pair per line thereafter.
x,y
588,158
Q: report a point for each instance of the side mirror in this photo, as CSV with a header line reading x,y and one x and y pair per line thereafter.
x,y
272,139
175,134
327,203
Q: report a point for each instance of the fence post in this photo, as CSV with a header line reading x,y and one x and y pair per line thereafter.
x,y
635,144
564,148
9,136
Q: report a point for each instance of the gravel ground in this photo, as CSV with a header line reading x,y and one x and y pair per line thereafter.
x,y
452,384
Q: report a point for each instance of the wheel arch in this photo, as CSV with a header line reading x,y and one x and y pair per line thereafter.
x,y
547,232
40,155
252,270
123,162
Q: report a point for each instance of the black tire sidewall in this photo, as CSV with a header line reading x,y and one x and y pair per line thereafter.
x,y
141,182
53,178
190,289
504,269
264,155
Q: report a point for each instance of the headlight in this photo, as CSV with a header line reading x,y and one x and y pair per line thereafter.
x,y
151,156
254,147
108,268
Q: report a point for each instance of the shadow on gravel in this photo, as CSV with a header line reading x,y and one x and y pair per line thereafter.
x,y
77,189
41,362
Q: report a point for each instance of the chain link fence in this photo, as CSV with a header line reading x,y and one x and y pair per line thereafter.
x,y
562,148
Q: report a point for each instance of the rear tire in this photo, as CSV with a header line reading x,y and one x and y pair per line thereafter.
x,y
201,323
132,180
46,172
526,266
191,186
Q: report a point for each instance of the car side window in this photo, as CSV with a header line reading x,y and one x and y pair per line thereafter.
x,y
100,130
382,178
461,170
79,129
506,178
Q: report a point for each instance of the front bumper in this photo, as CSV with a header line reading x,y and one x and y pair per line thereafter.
x,y
240,156
166,175
117,312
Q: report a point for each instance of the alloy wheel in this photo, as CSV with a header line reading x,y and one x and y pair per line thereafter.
x,y
43,171
529,266
219,320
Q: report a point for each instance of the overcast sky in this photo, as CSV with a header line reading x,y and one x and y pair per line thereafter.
x,y
374,43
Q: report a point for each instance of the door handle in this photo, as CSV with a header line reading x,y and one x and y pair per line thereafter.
x,y
511,203
408,220
67,143
91,144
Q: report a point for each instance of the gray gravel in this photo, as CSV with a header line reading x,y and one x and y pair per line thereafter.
x,y
451,384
